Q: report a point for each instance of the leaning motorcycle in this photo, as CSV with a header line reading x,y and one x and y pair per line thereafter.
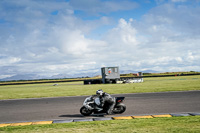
x,y
91,106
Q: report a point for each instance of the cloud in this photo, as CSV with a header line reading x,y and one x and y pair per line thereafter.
x,y
171,34
96,7
44,40
48,44
162,40
124,35
9,61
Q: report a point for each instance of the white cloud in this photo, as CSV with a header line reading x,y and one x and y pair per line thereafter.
x,y
162,39
6,61
35,41
122,36
97,6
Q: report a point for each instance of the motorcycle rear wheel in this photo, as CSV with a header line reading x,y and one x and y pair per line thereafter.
x,y
120,108
84,111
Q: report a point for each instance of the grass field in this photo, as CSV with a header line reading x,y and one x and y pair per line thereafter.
x,y
156,84
155,125
187,124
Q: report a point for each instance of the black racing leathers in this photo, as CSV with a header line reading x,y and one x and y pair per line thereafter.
x,y
107,98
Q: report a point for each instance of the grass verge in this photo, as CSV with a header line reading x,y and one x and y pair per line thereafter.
x,y
156,125
153,84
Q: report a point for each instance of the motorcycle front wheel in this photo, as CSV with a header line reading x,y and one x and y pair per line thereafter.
x,y
120,108
84,111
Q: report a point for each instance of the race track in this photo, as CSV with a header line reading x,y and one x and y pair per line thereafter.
x,y
68,107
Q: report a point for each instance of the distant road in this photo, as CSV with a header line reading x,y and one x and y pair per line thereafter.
x,y
68,107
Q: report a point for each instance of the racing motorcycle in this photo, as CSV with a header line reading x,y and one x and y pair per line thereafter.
x,y
91,105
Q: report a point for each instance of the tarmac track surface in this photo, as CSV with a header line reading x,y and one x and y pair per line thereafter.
x,y
60,108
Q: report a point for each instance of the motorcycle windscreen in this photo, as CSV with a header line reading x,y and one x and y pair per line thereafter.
x,y
86,101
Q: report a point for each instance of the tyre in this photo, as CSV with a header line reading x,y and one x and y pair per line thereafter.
x,y
120,108
84,111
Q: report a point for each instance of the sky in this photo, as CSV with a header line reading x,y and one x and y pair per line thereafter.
x,y
66,38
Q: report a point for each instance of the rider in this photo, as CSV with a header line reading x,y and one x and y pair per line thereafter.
x,y
105,97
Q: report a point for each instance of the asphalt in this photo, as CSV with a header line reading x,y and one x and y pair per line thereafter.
x,y
63,109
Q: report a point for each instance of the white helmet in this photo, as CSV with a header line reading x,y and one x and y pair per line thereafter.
x,y
99,92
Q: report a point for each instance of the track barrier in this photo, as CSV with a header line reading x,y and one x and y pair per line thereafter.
x,y
100,119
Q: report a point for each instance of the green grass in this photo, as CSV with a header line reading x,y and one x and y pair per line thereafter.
x,y
156,125
156,84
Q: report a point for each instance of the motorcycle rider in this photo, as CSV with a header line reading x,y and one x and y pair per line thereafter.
x,y
105,97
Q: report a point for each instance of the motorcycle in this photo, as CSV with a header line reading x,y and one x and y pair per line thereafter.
x,y
91,105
